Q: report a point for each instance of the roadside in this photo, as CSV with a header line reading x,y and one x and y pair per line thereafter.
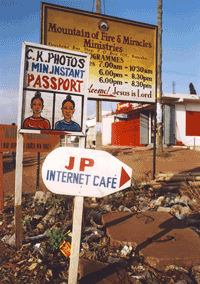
x,y
174,160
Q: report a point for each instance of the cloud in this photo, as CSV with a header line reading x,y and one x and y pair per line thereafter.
x,y
8,106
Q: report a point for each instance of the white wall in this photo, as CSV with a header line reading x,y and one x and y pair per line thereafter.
x,y
106,129
181,123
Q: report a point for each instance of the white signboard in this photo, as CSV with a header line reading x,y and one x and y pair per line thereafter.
x,y
53,90
84,172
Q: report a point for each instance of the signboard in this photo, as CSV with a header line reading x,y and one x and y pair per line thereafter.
x,y
53,90
32,142
124,107
122,52
84,172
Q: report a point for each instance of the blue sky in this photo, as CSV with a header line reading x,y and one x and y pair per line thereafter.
x,y
20,21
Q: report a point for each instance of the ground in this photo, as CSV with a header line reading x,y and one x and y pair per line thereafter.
x,y
174,160
27,264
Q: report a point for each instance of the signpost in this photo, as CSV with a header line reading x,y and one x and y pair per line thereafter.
x,y
32,143
122,52
53,84
83,172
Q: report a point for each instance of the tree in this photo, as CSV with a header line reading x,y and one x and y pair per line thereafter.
x,y
192,89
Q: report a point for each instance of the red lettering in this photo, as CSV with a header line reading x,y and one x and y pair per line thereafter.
x,y
37,82
60,83
46,82
86,162
79,85
53,83
30,79
73,85
66,87
71,163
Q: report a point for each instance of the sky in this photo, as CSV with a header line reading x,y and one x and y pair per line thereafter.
x,y
20,21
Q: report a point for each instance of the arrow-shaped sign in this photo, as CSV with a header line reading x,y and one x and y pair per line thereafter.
x,y
84,172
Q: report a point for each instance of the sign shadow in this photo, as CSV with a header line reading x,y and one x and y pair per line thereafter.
x,y
167,226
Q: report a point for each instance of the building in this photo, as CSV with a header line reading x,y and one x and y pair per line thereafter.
x,y
133,124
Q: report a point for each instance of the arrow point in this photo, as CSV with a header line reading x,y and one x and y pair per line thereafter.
x,y
124,177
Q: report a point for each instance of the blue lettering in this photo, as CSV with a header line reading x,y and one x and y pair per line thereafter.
x,y
64,176
45,68
114,181
77,72
76,178
47,175
67,69
35,66
59,172
81,178
82,71
71,73
62,73
52,175
95,184
69,177
102,182
108,181
56,70
87,177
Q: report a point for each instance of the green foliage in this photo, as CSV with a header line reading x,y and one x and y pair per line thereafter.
x,y
135,184
27,223
56,238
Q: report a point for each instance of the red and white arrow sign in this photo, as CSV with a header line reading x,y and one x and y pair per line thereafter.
x,y
84,172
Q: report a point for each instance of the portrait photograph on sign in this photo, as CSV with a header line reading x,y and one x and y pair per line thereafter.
x,y
68,115
54,87
37,114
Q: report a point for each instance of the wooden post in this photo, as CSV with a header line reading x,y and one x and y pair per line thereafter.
x,y
18,191
98,103
159,81
76,238
38,170
154,145
1,181
76,232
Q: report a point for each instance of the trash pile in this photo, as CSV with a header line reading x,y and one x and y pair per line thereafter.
x,y
47,230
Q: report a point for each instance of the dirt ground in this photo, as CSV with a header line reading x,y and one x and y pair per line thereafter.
x,y
174,160
29,265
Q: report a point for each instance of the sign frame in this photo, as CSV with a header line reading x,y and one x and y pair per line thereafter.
x,y
55,86
116,82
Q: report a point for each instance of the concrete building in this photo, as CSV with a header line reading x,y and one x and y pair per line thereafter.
x,y
133,124
107,120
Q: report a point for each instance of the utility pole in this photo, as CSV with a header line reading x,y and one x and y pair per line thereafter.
x,y
159,81
98,103
173,86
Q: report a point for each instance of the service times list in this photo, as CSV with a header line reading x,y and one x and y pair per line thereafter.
x,y
122,81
